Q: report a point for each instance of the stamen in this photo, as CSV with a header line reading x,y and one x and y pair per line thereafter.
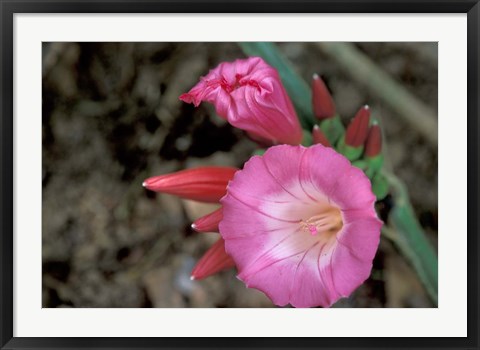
x,y
329,221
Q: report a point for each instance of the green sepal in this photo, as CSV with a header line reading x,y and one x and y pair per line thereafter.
x,y
352,153
361,164
332,128
374,164
380,186
259,152
307,139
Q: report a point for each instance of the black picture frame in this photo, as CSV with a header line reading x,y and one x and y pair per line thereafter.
x,y
9,7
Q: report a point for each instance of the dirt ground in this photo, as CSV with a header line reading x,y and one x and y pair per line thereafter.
x,y
112,117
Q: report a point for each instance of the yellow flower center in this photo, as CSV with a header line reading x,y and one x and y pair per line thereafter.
x,y
328,221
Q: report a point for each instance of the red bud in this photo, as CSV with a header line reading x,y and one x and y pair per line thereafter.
x,y
323,105
373,145
213,261
209,223
357,131
319,137
204,184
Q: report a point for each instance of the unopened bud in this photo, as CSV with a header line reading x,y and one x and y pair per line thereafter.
x,y
357,131
373,145
209,222
213,261
323,105
204,184
319,137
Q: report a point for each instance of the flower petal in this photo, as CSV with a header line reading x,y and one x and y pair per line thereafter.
x,y
353,190
348,271
361,237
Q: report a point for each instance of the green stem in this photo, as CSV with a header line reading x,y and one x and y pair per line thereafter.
x,y
411,239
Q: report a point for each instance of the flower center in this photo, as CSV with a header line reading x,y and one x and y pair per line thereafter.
x,y
328,221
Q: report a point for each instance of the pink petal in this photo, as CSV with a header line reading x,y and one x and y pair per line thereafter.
x,y
361,237
312,284
353,190
348,271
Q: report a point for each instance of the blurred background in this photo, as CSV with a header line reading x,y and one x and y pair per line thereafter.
x,y
112,118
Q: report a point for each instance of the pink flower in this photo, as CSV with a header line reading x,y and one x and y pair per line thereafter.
x,y
249,94
300,225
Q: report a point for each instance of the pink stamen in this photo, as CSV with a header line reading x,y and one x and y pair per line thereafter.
x,y
329,221
313,229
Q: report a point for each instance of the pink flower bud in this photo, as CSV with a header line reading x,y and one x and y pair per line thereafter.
x,y
213,261
204,184
319,137
250,95
373,145
323,105
208,223
357,131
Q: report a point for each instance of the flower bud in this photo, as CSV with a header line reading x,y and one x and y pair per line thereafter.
x,y
213,261
323,105
357,131
319,137
351,144
373,145
373,151
204,184
208,223
249,94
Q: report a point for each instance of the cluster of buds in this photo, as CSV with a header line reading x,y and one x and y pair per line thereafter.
x,y
203,184
360,142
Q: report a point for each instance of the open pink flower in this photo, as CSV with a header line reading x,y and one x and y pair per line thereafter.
x,y
300,225
249,94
